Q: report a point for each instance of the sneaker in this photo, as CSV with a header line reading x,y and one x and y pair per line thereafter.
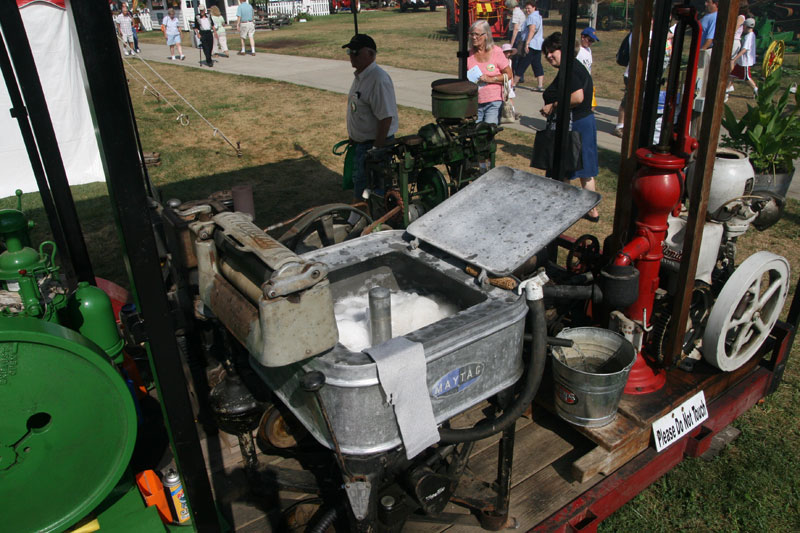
x,y
183,57
618,132
127,53
729,89
138,51
251,53
539,89
726,98
240,53
223,55
172,58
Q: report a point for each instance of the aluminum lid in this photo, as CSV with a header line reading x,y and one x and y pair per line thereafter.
x,y
503,218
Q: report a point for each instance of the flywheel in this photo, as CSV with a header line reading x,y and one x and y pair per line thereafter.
x,y
773,59
746,310
68,425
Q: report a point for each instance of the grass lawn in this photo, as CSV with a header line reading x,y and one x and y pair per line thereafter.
x,y
286,134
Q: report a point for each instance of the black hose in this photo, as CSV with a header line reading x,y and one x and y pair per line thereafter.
x,y
325,520
489,427
568,292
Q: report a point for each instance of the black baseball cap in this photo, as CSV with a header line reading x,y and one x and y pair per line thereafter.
x,y
359,41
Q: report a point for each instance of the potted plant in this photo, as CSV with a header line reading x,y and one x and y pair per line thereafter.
x,y
769,134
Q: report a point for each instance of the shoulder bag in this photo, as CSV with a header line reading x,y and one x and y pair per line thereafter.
x,y
507,113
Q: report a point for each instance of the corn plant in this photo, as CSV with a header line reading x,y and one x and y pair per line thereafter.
x,y
769,132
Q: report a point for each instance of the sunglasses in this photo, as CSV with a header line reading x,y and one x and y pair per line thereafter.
x,y
351,52
477,34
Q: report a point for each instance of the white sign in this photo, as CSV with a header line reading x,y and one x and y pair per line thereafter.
x,y
680,421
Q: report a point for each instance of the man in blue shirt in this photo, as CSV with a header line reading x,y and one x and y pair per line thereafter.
x,y
246,26
709,24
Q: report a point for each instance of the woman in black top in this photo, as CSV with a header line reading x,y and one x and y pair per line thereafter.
x,y
580,86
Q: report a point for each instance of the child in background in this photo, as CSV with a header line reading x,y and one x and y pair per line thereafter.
x,y
745,57
509,52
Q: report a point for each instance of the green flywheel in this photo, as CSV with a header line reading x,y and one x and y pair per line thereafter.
x,y
67,426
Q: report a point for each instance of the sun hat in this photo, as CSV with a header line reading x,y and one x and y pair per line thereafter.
x,y
508,48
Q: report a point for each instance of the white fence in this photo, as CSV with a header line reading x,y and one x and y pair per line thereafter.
x,y
293,7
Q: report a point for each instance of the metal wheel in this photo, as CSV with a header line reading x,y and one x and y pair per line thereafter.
x,y
773,59
324,226
745,311
583,254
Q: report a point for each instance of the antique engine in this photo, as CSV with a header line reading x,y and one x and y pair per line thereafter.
x,y
732,310
403,178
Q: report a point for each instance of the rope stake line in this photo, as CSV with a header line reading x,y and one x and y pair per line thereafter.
x,y
182,118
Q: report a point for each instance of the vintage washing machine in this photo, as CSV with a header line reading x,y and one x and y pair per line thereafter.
x,y
494,225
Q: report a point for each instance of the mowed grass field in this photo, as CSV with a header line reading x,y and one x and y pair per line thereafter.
x,y
286,134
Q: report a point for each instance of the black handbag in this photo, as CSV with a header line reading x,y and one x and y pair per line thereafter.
x,y
544,148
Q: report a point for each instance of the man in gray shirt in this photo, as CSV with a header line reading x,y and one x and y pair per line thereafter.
x,y
371,106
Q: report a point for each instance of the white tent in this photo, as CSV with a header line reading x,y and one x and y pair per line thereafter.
x,y
56,51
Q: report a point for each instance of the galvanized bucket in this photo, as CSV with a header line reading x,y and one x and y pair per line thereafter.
x,y
591,375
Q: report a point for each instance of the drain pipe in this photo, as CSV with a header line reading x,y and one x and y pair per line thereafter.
x,y
535,299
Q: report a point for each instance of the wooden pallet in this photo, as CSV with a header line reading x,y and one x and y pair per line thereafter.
x,y
630,433
554,462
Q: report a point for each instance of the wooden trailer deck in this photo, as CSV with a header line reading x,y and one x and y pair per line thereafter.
x,y
561,474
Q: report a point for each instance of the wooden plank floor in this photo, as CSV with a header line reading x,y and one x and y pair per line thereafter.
x,y
554,462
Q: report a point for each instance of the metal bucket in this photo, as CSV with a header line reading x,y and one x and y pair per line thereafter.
x,y
590,376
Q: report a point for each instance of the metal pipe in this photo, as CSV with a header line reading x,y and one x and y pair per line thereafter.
x,y
380,315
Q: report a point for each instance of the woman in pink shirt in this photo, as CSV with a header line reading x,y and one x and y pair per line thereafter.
x,y
493,64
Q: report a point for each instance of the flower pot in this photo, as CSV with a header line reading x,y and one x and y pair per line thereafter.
x,y
777,184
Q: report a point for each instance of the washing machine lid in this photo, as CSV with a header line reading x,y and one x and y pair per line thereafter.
x,y
503,218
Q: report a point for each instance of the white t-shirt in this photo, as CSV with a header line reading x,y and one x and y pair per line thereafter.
x,y
371,99
748,59
584,57
518,18
125,27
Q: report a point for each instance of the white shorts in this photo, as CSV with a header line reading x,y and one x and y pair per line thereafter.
x,y
247,29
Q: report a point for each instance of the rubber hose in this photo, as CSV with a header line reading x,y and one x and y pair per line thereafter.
x,y
489,427
568,292
324,521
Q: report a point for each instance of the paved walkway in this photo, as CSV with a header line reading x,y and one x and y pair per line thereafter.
x,y
412,87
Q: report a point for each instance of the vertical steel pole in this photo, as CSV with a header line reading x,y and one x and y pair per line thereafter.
x,y
116,127
569,24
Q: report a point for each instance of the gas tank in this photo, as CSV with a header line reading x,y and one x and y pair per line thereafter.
x,y
732,177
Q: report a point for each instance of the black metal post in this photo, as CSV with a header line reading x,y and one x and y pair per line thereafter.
x,y
354,5
655,71
569,24
463,45
19,112
505,460
28,78
116,128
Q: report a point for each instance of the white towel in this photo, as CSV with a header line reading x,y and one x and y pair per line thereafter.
x,y
402,374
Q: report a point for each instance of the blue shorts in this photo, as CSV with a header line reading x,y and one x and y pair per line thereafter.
x,y
172,40
490,112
